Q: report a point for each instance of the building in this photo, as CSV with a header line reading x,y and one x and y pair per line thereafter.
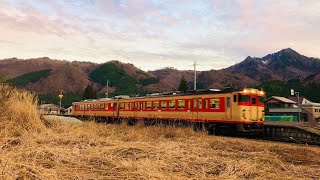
x,y
49,109
281,106
313,110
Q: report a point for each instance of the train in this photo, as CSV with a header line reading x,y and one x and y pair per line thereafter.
x,y
217,111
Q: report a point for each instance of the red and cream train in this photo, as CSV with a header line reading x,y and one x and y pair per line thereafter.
x,y
212,109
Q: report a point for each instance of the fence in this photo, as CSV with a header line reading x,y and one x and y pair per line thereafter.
x,y
281,118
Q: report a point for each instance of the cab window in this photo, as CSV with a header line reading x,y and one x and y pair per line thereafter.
x,y
243,98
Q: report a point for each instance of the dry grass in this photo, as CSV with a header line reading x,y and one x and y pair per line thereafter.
x,y
98,151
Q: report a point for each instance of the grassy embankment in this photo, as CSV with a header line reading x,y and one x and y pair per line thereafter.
x,y
33,148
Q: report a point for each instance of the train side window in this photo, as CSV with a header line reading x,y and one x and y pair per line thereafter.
x,y
189,104
200,104
102,106
155,105
254,101
121,107
181,104
163,104
98,106
195,104
106,106
132,105
172,104
138,105
214,103
235,98
127,106
91,106
149,105
143,105
206,103
228,102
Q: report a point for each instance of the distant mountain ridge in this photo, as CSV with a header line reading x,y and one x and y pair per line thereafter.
x,y
47,76
283,65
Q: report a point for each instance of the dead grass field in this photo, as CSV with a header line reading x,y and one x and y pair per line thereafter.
x,y
31,148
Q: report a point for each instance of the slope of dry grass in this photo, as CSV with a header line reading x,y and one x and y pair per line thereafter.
x,y
52,150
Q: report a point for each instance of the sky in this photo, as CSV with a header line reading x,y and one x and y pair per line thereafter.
x,y
152,34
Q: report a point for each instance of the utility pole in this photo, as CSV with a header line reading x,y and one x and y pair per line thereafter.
x,y
195,77
107,93
60,96
298,96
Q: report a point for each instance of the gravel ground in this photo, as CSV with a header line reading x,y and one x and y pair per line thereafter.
x,y
63,119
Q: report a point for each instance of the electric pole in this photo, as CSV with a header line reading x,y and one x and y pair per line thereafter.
x,y
107,93
195,76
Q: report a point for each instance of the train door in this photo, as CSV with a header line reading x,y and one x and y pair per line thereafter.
x,y
115,109
228,108
194,110
254,108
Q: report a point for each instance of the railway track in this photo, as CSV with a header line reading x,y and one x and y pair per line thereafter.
x,y
292,134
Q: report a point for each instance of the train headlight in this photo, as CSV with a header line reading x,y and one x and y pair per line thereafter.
x,y
245,91
261,92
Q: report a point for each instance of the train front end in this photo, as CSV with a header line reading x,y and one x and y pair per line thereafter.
x,y
250,110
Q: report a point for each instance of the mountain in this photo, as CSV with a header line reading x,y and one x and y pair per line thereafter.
x,y
170,78
47,77
63,75
283,65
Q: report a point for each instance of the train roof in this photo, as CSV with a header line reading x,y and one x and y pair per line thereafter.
x,y
166,94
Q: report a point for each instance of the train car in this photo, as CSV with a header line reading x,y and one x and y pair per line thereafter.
x,y
213,110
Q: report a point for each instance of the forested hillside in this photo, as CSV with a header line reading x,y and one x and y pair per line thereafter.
x,y
275,73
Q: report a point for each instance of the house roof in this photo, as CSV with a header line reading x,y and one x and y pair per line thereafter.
x,y
311,105
295,98
48,105
282,99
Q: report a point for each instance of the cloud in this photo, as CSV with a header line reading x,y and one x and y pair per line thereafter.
x,y
154,33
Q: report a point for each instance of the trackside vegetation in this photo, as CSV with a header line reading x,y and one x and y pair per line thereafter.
x,y
282,88
35,147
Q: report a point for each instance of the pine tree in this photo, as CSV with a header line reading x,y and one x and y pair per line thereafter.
x,y
89,93
183,87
